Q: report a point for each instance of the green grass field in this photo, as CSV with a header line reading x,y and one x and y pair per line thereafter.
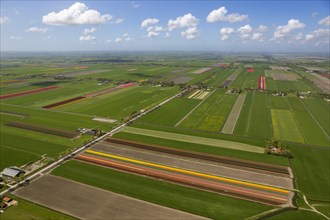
x,y
121,103
310,165
170,113
160,192
298,215
26,210
212,113
285,126
194,139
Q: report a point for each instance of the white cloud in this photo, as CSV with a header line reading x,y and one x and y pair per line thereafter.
x,y
118,39
227,30
220,14
224,37
76,14
320,34
37,30
4,20
325,21
149,21
125,35
283,31
167,35
129,39
190,34
315,14
187,20
87,38
246,29
135,5
152,34
298,37
89,31
117,21
262,28
108,41
15,38
257,37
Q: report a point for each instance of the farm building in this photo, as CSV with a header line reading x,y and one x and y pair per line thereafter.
x,y
11,172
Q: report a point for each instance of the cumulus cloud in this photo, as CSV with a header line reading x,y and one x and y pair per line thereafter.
x,y
149,21
89,31
118,39
246,29
190,34
185,21
325,21
257,37
37,30
76,14
262,28
108,41
167,35
283,31
153,34
117,21
318,35
87,38
220,14
225,32
4,20
129,39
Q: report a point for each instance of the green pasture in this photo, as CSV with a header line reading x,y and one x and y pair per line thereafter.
x,y
170,113
121,103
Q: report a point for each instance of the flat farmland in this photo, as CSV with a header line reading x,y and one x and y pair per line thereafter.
x,y
285,126
255,118
212,113
311,129
159,192
170,113
203,148
57,188
121,103
234,114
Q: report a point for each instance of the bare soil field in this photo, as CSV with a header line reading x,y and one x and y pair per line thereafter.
x,y
57,104
285,68
226,187
28,92
270,168
230,79
202,70
229,126
285,76
322,83
194,164
181,79
41,129
86,202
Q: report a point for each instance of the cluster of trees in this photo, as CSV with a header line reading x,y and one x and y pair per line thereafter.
x,y
276,147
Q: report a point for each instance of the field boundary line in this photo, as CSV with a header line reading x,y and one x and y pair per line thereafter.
x,y
315,119
194,108
6,146
246,132
240,105
295,119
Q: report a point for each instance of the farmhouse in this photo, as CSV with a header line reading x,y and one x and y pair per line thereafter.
x,y
11,172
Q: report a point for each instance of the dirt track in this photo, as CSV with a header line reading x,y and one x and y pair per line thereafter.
x,y
193,164
86,202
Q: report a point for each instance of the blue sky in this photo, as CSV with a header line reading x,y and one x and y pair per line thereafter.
x,y
238,26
